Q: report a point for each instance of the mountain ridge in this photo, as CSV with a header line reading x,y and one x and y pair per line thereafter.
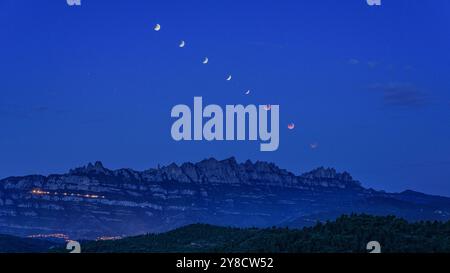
x,y
93,201
194,172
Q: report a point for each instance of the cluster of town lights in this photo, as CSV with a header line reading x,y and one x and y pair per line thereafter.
x,y
41,192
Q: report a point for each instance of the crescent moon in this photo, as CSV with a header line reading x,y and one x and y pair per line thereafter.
x,y
206,60
248,92
157,27
291,126
182,43
229,78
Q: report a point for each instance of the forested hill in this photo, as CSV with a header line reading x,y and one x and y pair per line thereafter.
x,y
13,244
346,234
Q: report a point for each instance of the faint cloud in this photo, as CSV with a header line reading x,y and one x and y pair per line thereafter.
x,y
41,109
314,145
353,61
21,111
408,67
372,64
401,94
9,110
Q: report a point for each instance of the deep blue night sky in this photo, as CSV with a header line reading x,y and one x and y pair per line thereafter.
x,y
369,85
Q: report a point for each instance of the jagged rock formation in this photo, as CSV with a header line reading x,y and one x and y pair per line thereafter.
x,y
94,201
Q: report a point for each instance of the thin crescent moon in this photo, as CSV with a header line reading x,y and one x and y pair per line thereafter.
x,y
157,27
182,44
229,78
248,92
206,60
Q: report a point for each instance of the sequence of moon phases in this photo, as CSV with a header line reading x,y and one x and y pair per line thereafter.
x,y
267,107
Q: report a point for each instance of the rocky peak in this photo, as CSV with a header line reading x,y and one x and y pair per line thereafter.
x,y
320,172
228,171
329,174
225,171
96,168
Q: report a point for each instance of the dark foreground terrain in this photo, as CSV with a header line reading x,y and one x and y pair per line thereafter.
x,y
346,234
13,244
